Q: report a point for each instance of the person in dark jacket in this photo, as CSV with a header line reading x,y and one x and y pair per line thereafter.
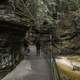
x,y
26,47
38,47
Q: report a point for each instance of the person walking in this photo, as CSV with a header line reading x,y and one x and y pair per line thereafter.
x,y
26,48
38,47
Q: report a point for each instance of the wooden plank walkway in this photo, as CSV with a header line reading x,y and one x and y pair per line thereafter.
x,y
32,68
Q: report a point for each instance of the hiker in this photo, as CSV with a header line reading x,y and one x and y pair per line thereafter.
x,y
26,47
38,47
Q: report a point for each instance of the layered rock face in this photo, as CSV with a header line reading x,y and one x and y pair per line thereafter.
x,y
69,33
7,11
12,33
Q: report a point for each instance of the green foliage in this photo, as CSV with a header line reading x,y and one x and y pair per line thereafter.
x,y
57,17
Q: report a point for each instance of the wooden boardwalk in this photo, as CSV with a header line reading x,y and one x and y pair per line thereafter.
x,y
31,68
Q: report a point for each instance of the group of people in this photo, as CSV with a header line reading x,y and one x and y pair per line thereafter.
x,y
26,47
